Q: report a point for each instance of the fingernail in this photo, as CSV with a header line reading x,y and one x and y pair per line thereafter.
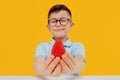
x,y
61,61
58,57
52,56
63,56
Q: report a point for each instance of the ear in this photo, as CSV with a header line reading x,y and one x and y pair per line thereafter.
x,y
48,27
72,25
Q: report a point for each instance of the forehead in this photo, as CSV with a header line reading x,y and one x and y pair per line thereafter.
x,y
59,14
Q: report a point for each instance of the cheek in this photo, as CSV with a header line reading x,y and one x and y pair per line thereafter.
x,y
51,29
67,29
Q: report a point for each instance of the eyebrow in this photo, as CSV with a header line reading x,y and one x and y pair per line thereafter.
x,y
59,18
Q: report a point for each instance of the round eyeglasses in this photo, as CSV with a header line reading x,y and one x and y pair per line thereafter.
x,y
62,21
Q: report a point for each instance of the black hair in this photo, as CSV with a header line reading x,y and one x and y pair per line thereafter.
x,y
59,7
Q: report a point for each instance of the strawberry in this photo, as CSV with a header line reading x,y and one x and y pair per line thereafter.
x,y
58,48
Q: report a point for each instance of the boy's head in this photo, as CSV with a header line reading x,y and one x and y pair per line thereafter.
x,y
59,21
57,8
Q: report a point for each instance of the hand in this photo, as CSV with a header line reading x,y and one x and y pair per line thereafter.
x,y
67,63
50,67
72,65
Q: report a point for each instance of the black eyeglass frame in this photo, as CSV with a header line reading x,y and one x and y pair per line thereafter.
x,y
59,21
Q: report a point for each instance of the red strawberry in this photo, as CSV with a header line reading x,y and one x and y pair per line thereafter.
x,y
58,48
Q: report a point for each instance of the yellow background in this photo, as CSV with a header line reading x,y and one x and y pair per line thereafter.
x,y
23,27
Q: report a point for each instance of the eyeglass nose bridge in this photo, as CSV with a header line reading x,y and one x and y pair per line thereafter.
x,y
57,22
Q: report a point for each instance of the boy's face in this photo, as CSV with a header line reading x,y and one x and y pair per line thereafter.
x,y
59,24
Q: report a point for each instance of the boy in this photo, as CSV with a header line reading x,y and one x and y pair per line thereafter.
x,y
73,60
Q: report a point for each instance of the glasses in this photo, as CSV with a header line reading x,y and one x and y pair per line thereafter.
x,y
62,21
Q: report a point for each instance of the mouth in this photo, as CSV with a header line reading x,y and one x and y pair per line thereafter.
x,y
59,29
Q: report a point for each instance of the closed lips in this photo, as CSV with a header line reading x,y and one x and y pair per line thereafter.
x,y
59,29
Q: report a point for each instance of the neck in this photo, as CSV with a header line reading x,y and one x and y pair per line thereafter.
x,y
63,39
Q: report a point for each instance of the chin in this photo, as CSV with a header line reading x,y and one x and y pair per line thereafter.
x,y
59,36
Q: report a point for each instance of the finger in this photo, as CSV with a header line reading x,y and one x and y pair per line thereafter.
x,y
64,67
49,60
57,71
68,62
53,64
71,58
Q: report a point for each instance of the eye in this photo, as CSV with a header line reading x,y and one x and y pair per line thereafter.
x,y
52,21
63,20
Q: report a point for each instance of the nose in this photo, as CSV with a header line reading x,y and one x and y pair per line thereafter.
x,y
58,24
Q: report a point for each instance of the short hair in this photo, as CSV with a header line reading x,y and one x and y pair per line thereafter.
x,y
58,8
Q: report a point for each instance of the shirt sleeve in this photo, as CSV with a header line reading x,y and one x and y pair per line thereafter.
x,y
80,50
40,50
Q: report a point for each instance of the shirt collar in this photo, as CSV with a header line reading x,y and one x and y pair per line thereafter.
x,y
67,43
